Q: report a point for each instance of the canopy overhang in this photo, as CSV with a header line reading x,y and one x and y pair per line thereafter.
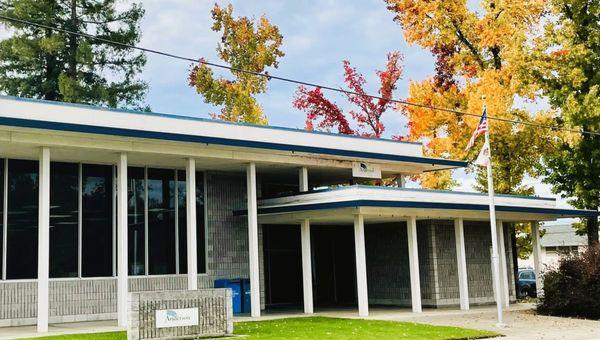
x,y
382,204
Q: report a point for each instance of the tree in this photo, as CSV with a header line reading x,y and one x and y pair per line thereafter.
x,y
323,114
565,64
51,65
479,54
245,45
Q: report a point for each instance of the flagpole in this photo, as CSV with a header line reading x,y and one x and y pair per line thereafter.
x,y
495,258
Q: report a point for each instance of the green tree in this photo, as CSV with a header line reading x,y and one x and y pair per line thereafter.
x,y
566,65
245,45
47,64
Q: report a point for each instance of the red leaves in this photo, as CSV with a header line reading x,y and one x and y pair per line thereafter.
x,y
317,106
328,115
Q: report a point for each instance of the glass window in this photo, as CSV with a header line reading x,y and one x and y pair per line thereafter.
x,y
64,219
136,220
22,226
182,222
97,230
200,231
161,221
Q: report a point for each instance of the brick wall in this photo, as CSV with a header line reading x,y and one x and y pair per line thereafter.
x,y
388,276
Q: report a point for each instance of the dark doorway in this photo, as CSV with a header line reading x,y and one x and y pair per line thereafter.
x,y
283,266
334,269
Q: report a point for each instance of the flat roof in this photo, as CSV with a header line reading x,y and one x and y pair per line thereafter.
x,y
79,118
393,200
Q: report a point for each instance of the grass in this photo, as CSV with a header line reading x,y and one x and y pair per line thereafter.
x,y
337,328
325,328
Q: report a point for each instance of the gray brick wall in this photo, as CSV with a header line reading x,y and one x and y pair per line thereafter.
x,y
388,272
479,266
447,269
388,276
427,262
227,234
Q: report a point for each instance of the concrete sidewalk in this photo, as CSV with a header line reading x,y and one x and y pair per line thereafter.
x,y
60,329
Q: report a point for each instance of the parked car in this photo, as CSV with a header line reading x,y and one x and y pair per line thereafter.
x,y
526,284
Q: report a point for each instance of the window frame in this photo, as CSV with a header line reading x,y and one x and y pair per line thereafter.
x,y
113,192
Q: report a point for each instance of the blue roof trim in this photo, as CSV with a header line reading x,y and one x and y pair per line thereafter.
x,y
182,117
408,189
38,124
427,205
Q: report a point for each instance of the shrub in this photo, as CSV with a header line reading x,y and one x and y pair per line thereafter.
x,y
572,287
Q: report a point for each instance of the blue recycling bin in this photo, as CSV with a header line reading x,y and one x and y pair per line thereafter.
x,y
246,296
236,289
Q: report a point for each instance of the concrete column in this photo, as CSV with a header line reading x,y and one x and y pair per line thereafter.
x,y
537,259
303,179
461,262
190,204
361,265
503,265
306,266
122,284
401,181
413,260
43,240
253,240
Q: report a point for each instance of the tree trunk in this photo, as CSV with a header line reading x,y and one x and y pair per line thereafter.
x,y
592,230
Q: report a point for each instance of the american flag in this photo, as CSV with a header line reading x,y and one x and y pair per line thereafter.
x,y
482,128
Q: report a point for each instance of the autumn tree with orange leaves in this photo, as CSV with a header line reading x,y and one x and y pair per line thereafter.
x,y
324,114
479,53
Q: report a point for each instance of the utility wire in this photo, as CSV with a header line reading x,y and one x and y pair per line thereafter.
x,y
289,80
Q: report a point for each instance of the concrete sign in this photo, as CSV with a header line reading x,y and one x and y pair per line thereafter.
x,y
180,314
366,170
176,317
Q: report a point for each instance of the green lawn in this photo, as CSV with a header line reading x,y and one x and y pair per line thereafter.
x,y
327,328
336,328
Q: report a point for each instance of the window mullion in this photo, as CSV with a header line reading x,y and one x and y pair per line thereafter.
x,y
5,219
146,259
176,207
114,220
80,223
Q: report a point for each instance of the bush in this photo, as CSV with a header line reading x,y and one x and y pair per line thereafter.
x,y
572,288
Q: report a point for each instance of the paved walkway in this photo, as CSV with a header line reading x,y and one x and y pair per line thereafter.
x,y
522,322
60,329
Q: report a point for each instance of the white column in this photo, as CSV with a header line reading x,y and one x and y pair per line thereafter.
x,y
306,266
537,259
122,283
401,181
503,265
253,240
303,179
461,262
43,239
413,261
190,204
361,265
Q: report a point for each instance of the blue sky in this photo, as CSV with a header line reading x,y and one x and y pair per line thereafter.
x,y
316,40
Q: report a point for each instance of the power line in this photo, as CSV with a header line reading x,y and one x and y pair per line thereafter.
x,y
289,80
